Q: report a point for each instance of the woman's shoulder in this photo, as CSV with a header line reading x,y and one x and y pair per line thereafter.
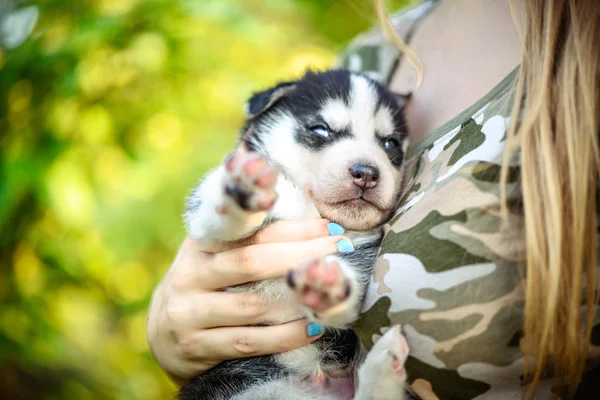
x,y
372,54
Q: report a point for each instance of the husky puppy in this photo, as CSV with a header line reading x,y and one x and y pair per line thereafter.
x,y
327,145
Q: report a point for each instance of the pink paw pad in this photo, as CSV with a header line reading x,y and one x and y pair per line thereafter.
x,y
319,284
398,355
249,181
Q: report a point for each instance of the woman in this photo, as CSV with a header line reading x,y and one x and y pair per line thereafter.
x,y
485,261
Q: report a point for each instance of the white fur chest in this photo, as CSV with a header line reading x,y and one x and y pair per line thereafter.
x,y
303,361
292,203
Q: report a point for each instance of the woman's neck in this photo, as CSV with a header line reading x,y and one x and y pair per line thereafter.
x,y
467,47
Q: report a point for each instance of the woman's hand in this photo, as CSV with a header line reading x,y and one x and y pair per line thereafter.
x,y
192,325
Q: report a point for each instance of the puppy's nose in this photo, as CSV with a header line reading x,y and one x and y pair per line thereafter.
x,y
364,176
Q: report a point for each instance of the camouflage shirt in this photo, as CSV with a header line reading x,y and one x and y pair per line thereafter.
x,y
448,269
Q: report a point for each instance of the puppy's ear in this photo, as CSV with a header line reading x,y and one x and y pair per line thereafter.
x,y
402,98
262,101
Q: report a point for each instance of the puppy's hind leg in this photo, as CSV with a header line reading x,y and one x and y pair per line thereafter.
x,y
233,200
382,375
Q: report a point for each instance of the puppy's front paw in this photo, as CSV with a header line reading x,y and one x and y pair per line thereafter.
x,y
320,284
249,182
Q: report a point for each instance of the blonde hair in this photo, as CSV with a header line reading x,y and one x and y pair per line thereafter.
x,y
390,34
555,131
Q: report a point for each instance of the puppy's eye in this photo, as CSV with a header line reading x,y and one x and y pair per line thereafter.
x,y
321,131
391,144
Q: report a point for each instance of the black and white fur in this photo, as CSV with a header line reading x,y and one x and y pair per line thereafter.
x,y
328,145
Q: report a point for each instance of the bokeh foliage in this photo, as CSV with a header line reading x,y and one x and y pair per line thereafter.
x,y
109,113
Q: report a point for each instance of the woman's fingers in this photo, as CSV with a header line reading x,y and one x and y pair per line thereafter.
x,y
188,322
279,232
218,309
265,261
291,231
241,342
200,270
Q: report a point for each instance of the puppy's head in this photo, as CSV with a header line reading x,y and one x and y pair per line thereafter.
x,y
339,136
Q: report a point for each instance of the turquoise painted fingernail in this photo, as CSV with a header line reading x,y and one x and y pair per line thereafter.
x,y
314,329
335,229
345,246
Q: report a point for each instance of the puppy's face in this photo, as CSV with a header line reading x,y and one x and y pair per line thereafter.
x,y
337,135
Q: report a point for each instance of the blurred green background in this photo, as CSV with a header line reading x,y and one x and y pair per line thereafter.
x,y
110,111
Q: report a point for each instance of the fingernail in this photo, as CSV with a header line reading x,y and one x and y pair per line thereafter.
x,y
335,229
314,329
344,246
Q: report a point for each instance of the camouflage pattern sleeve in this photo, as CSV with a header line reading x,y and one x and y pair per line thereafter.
x,y
448,268
371,54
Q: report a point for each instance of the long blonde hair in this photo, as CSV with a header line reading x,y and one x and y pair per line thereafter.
x,y
555,131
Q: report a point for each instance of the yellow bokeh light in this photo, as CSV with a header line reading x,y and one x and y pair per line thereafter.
x,y
115,7
118,356
144,384
135,328
96,125
141,182
71,196
63,117
95,254
123,69
110,168
129,282
309,57
19,96
163,130
240,52
80,315
94,73
219,93
55,35
28,270
149,51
